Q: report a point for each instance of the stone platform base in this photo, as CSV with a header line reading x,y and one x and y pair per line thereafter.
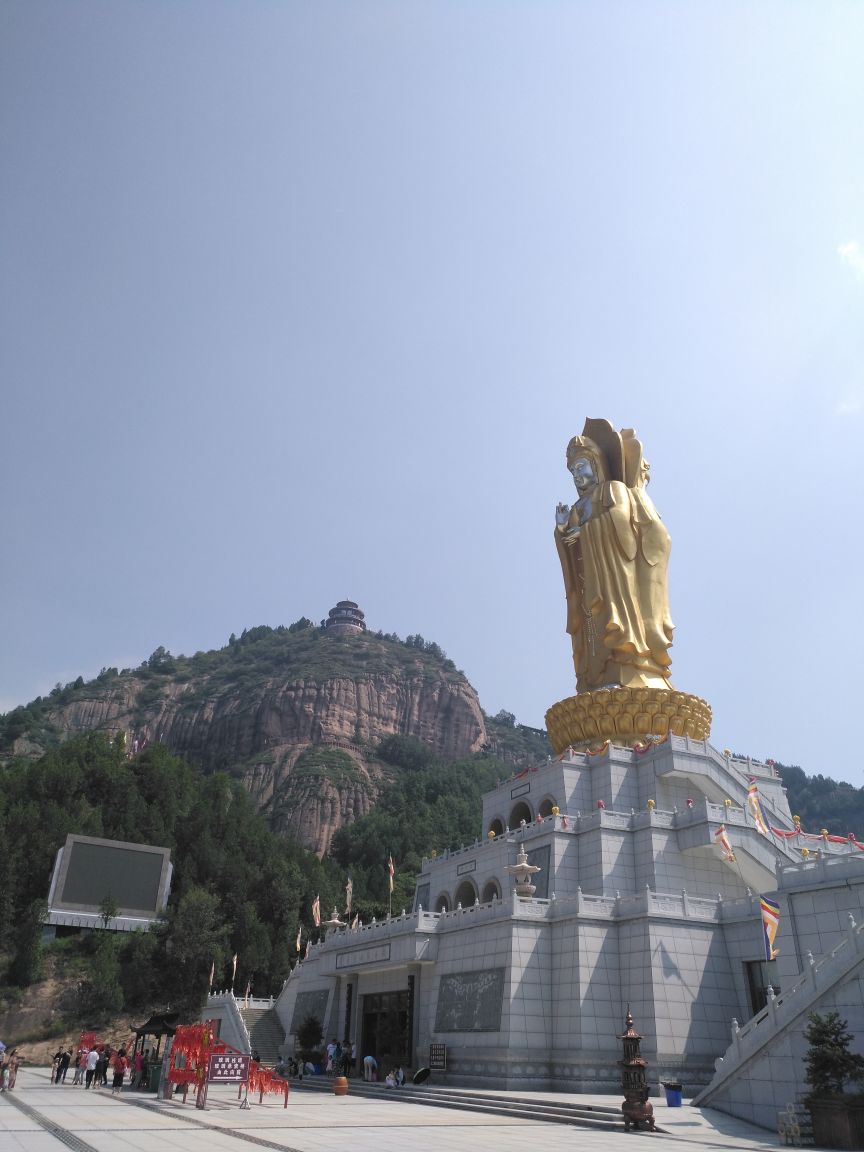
x,y
626,716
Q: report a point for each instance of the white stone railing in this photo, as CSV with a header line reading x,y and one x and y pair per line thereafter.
x,y
781,1010
256,1002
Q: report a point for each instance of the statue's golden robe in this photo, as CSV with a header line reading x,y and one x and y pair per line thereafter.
x,y
615,575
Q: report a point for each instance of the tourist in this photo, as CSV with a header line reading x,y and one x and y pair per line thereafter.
x,y
55,1066
121,1065
390,1081
4,1069
400,1077
80,1061
63,1066
15,1061
138,1069
353,1059
90,1070
370,1068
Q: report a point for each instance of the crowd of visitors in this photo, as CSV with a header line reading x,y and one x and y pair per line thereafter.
x,y
91,1066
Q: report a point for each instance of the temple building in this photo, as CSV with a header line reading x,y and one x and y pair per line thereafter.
x,y
345,618
635,902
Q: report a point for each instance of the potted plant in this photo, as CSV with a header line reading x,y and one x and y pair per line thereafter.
x,y
838,1116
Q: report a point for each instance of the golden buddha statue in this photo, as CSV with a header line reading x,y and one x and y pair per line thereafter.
x,y
614,552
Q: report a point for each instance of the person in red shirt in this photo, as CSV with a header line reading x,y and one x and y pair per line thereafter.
x,y
121,1066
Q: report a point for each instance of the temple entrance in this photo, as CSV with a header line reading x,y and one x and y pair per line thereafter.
x,y
385,1030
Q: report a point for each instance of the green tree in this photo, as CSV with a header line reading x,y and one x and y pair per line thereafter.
x,y
108,909
101,994
138,972
829,1064
26,966
196,938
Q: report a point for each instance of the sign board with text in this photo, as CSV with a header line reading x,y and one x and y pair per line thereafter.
x,y
228,1068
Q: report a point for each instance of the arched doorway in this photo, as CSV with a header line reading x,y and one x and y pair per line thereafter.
x,y
497,826
520,812
466,894
491,891
442,904
546,806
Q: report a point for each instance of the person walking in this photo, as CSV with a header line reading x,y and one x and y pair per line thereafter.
x,y
370,1069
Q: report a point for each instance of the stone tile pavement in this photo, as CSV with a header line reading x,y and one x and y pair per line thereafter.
x,y
41,1117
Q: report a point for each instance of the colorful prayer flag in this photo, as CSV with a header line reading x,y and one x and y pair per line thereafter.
x,y
316,911
755,806
722,842
770,924
391,871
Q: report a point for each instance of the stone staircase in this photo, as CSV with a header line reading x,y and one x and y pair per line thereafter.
x,y
518,1106
266,1034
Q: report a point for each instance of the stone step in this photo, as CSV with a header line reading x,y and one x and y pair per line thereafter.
x,y
517,1106
265,1032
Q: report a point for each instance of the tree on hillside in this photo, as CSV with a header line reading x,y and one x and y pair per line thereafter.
x,y
26,966
196,938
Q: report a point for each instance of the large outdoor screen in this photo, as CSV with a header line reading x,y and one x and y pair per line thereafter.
x,y
91,870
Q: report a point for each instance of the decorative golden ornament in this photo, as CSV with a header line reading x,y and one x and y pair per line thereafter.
x,y
491,834
556,811
651,805
728,803
805,852
627,716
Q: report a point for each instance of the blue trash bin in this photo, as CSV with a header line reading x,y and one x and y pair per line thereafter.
x,y
673,1095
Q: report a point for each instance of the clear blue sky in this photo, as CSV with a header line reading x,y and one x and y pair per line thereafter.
x,y
303,301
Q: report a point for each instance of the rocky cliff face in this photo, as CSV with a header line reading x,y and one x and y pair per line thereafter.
x,y
303,735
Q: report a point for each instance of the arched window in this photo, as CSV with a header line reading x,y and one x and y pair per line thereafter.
x,y
546,806
491,891
466,894
497,826
442,904
520,812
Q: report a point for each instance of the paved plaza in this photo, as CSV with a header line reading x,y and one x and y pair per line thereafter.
x,y
41,1117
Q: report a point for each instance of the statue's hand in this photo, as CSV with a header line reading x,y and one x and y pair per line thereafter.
x,y
562,514
571,535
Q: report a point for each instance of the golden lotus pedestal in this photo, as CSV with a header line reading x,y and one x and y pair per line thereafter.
x,y
626,716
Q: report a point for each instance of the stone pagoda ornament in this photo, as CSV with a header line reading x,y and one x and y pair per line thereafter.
x,y
334,921
636,1107
614,553
522,872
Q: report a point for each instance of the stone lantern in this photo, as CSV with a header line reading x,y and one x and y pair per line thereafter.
x,y
522,872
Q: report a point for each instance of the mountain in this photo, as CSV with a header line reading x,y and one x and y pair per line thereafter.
x,y
297,713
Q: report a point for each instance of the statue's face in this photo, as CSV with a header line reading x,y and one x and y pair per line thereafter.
x,y
584,476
